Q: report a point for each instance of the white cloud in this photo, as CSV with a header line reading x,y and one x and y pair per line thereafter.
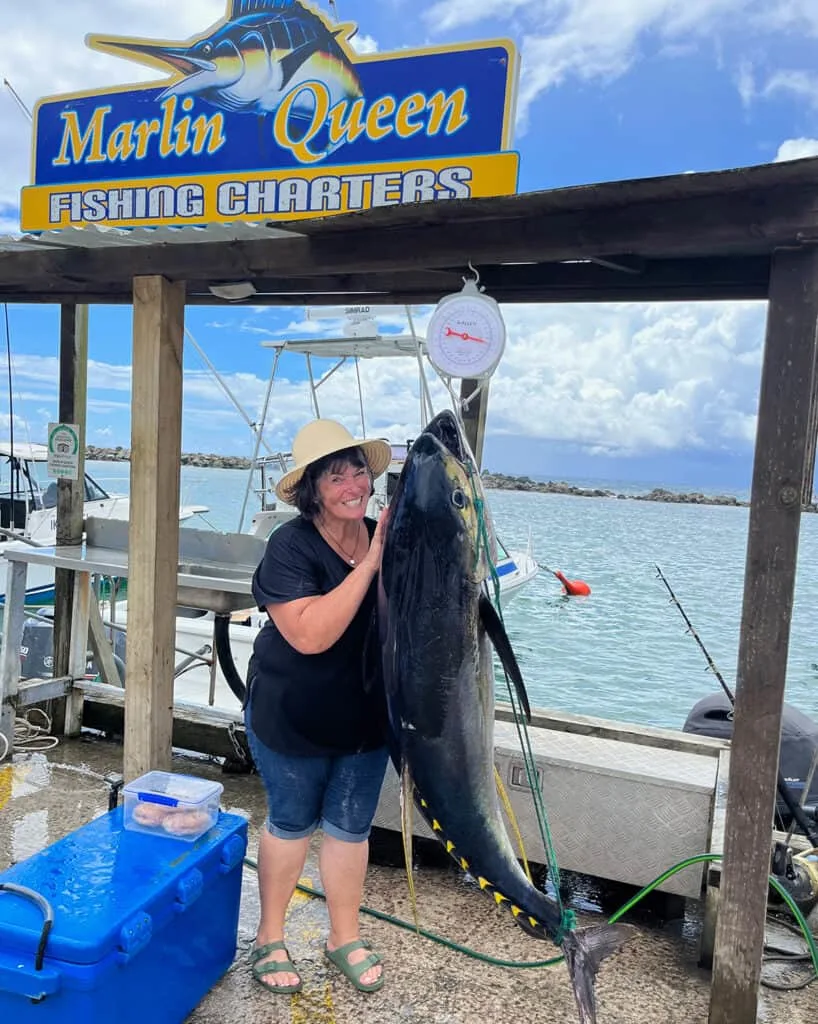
x,y
632,378
601,39
801,84
796,149
364,44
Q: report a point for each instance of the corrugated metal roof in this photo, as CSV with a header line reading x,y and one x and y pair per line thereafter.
x,y
94,236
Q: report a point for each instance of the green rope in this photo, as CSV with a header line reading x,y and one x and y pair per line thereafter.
x,y
567,916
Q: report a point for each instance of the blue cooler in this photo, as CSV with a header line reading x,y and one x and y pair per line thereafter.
x,y
143,926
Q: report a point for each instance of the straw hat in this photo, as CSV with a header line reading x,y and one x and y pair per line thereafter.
x,y
325,437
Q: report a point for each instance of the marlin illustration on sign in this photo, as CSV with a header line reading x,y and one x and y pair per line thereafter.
x,y
266,52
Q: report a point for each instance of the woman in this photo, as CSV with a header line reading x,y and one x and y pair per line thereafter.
x,y
315,721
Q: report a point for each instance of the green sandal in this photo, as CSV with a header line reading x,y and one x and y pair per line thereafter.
x,y
273,967
353,972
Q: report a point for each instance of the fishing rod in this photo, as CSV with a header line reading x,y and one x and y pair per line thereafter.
x,y
695,635
783,789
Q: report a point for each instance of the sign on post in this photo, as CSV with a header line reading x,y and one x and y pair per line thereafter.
x,y
271,114
63,451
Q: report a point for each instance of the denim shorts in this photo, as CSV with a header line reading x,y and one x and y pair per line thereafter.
x,y
339,795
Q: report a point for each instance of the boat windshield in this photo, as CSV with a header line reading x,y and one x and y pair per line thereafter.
x,y
29,481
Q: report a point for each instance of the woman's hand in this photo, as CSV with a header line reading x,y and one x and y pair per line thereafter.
x,y
372,559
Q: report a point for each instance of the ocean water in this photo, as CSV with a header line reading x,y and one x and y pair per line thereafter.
x,y
624,652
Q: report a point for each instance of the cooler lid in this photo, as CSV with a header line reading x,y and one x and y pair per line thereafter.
x,y
109,888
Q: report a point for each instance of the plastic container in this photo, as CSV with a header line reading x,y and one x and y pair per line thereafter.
x,y
141,930
177,806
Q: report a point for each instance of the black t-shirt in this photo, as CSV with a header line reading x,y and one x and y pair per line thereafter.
x,y
309,705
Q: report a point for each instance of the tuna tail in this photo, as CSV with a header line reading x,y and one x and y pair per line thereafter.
x,y
584,951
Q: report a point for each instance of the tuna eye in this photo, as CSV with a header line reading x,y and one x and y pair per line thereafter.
x,y
458,499
207,49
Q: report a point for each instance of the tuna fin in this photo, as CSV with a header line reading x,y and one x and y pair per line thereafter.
x,y
512,820
584,952
406,805
293,61
241,8
498,636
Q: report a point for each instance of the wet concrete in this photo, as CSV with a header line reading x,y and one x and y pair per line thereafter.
x,y
655,978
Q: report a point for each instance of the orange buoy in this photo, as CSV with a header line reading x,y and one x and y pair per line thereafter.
x,y
573,588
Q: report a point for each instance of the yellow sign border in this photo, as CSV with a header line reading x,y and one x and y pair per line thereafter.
x,y
494,174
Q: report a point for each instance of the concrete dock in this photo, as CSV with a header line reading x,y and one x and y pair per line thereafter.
x,y
44,796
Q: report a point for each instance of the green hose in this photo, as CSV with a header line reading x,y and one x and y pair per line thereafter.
x,y
702,858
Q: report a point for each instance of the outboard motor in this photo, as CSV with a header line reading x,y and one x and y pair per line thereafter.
x,y
37,651
713,716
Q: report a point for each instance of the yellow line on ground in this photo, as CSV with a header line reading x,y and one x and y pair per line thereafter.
x,y
313,1007
6,778
314,1004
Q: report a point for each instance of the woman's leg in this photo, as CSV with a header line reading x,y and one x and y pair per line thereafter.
x,y
294,787
280,863
343,870
350,802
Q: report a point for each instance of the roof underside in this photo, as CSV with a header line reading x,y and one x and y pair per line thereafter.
x,y
689,236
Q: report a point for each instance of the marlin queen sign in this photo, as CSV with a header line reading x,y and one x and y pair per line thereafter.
x,y
271,114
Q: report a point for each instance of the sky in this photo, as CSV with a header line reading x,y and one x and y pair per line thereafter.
x,y
609,89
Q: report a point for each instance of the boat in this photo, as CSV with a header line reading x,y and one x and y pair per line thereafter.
x,y
28,511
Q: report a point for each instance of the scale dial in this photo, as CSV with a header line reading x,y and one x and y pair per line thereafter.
x,y
466,335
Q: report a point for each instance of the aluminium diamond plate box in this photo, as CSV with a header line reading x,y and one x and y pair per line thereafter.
x,y
618,810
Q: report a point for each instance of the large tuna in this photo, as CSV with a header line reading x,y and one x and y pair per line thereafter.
x,y
436,627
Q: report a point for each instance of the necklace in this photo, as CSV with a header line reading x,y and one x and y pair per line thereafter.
x,y
347,556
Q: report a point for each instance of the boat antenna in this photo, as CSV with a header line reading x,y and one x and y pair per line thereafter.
x,y
784,790
18,100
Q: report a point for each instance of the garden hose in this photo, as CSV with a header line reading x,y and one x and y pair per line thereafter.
x,y
702,858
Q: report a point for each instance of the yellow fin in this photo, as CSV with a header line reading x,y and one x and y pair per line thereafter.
x,y
484,882
449,846
436,825
464,864
515,910
406,801
533,922
506,802
499,897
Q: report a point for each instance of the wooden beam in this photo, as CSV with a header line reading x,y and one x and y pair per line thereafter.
x,y
474,415
156,443
748,223
705,278
769,582
73,397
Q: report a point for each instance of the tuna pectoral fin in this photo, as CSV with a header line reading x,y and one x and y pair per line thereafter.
x,y
406,823
498,636
584,952
295,58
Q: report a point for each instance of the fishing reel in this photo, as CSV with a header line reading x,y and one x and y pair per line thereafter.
x,y
798,874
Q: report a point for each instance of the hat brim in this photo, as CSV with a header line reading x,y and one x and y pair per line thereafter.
x,y
378,454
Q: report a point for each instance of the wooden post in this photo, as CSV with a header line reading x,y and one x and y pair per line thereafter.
x,y
769,582
474,416
13,622
70,493
153,552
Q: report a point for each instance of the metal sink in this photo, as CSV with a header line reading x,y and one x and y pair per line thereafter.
x,y
216,592
221,565
217,571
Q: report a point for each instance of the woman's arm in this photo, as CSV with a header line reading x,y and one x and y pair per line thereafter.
x,y
313,624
